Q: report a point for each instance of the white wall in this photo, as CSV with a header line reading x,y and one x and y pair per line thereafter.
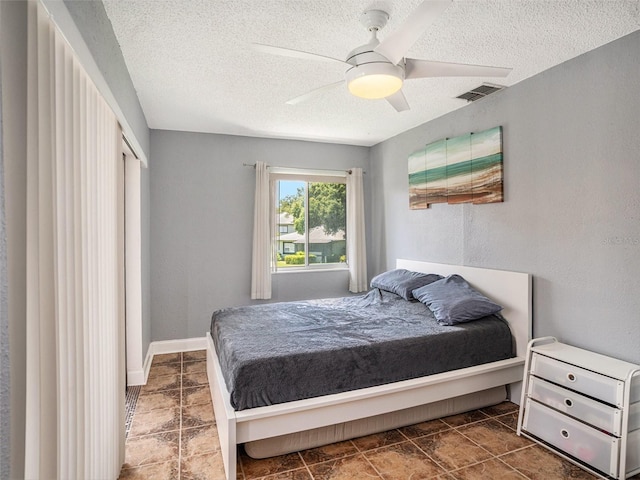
x,y
571,215
202,223
145,214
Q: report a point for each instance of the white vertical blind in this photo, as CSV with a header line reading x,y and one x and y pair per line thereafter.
x,y
262,233
75,388
356,243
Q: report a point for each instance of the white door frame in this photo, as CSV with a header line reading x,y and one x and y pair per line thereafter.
x,y
133,268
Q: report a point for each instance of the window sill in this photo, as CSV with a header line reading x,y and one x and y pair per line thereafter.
x,y
310,270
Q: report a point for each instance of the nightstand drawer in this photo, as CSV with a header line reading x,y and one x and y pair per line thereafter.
x,y
589,411
573,437
584,381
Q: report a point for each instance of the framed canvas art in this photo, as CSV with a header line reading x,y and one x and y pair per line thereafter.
x,y
463,169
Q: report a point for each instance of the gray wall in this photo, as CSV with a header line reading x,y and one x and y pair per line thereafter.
x,y
572,197
5,364
13,51
94,25
202,224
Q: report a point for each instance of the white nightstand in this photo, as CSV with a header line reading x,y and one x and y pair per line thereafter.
x,y
583,406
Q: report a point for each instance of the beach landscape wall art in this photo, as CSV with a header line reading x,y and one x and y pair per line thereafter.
x,y
463,169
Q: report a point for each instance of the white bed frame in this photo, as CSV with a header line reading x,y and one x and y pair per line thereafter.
x,y
510,289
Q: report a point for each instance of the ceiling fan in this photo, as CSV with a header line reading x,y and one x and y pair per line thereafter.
x,y
378,69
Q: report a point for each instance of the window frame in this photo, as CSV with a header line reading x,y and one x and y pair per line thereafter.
x,y
307,176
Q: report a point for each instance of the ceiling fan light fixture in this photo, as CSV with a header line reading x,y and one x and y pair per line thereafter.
x,y
375,80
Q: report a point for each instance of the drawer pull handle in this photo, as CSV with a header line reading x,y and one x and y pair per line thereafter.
x,y
564,433
571,377
568,402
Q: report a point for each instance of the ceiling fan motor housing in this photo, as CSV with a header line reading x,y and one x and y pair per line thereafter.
x,y
372,75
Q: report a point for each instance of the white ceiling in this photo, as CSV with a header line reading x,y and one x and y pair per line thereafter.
x,y
193,68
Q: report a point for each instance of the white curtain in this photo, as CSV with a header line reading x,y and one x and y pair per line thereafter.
x,y
75,381
261,259
356,244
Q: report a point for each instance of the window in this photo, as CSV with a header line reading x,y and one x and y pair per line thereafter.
x,y
311,212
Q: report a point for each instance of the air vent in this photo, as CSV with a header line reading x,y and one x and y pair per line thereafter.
x,y
479,92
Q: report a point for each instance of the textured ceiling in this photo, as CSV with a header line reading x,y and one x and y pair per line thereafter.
x,y
193,68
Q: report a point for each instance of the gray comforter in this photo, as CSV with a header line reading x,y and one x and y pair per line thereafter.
x,y
280,352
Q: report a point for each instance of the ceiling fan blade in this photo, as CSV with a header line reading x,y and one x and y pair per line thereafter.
x,y
313,93
398,101
395,45
415,68
288,52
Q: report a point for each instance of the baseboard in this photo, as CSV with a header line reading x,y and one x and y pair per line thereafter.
x,y
139,377
136,377
176,346
147,364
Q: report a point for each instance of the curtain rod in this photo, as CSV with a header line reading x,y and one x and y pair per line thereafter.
x,y
304,168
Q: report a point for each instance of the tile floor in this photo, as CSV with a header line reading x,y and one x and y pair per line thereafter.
x,y
173,436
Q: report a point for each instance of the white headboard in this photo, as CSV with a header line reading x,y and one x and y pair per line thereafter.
x,y
512,290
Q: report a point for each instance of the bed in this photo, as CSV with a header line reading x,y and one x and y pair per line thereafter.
x,y
379,407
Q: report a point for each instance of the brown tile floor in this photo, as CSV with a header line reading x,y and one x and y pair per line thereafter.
x,y
173,436
173,433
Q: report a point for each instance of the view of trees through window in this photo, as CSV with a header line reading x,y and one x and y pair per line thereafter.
x,y
314,235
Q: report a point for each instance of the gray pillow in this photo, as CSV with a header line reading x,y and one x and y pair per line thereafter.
x,y
402,282
452,300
